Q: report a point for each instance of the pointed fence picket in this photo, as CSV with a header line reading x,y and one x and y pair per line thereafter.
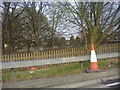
x,y
104,48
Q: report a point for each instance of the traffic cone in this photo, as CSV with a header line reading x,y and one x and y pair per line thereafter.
x,y
33,68
93,61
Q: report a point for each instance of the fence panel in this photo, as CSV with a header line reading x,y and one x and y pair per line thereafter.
x,y
101,49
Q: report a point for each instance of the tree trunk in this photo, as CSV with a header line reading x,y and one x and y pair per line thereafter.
x,y
52,43
0,41
28,47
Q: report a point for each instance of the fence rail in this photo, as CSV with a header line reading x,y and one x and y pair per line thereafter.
x,y
62,53
19,64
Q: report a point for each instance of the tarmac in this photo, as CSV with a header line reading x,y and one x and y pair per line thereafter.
x,y
63,80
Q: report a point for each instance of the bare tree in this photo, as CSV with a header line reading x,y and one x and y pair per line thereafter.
x,y
36,22
97,20
56,18
10,24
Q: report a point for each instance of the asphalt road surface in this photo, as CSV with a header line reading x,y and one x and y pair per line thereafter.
x,y
115,83
112,83
95,83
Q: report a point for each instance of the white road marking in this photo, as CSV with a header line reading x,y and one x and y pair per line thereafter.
x,y
112,84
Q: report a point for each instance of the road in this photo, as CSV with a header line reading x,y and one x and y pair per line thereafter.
x,y
106,82
112,83
115,83
71,81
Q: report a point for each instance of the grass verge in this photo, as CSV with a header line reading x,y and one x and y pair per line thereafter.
x,y
61,70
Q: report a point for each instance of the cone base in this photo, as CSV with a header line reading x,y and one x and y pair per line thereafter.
x,y
94,66
92,71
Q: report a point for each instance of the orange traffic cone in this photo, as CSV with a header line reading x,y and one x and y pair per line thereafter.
x,y
93,61
33,68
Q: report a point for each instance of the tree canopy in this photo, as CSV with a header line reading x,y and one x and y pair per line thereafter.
x,y
97,20
27,25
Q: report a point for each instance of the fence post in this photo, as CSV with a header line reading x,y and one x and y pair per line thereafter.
x,y
81,64
0,58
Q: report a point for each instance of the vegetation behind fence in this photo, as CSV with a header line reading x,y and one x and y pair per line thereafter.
x,y
103,48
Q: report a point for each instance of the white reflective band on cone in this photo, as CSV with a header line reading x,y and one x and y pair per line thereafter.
x,y
93,56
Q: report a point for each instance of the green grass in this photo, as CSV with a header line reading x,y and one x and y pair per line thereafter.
x,y
60,70
41,73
